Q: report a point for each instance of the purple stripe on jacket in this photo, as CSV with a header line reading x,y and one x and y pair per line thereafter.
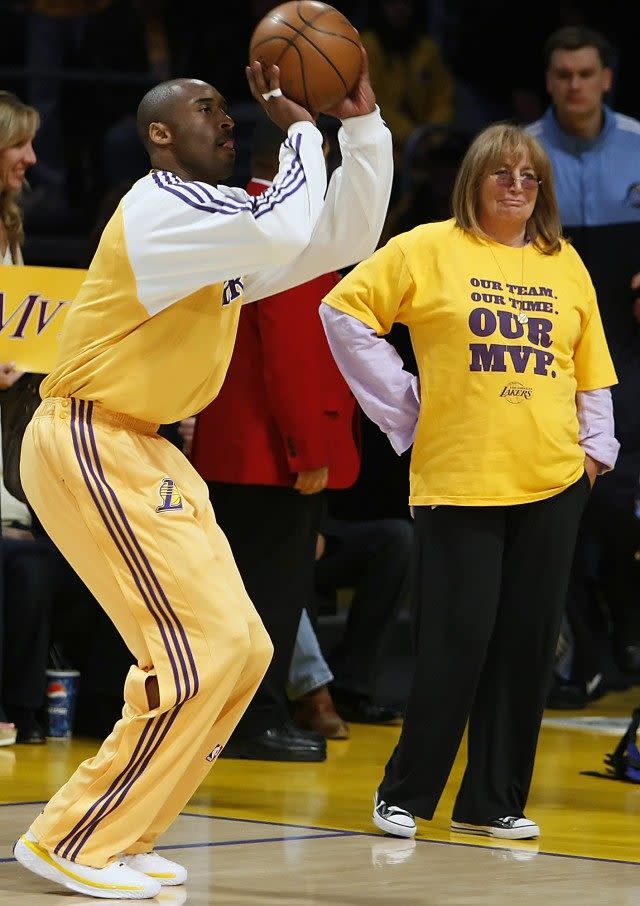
x,y
291,181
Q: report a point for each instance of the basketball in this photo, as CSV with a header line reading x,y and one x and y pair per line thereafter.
x,y
316,48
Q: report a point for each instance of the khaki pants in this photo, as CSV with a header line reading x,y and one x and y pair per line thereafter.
x,y
134,520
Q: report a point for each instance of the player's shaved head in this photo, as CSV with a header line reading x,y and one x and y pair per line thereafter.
x,y
186,129
159,105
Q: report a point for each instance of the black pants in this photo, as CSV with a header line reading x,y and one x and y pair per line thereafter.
x,y
272,533
373,558
606,571
490,590
24,622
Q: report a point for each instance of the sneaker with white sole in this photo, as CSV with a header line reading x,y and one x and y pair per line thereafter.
x,y
508,828
392,819
156,866
116,881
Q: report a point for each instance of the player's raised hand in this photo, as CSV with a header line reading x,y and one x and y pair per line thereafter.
x,y
265,87
361,99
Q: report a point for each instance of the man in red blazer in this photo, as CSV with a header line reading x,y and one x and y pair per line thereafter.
x,y
283,428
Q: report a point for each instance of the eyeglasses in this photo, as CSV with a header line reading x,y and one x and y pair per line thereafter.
x,y
528,182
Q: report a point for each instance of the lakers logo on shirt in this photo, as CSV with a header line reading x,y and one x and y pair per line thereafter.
x,y
170,496
515,392
232,290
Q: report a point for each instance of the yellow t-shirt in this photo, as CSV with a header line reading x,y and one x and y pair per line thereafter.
x,y
503,337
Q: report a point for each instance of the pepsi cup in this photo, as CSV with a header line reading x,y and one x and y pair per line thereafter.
x,y
62,688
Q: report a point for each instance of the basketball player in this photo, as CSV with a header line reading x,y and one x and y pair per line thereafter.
x,y
148,341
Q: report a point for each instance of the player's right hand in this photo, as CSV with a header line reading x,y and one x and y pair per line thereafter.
x,y
361,99
283,111
312,481
9,375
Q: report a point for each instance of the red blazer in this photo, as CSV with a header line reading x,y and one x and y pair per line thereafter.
x,y
284,407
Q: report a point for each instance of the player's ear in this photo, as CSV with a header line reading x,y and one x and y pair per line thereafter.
x,y
159,134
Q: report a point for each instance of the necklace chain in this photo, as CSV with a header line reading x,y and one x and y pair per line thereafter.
x,y
522,317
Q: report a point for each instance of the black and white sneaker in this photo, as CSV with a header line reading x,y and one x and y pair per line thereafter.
x,y
507,828
392,819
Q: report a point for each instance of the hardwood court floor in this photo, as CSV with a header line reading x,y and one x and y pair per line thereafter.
x,y
265,833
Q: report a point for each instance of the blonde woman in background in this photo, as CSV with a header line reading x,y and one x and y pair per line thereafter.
x,y
18,126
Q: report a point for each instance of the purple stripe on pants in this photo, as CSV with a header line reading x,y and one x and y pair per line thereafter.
x,y
68,840
151,573
135,772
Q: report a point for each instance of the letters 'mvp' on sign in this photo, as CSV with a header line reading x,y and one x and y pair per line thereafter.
x,y
33,306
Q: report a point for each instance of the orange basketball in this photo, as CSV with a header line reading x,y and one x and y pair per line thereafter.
x,y
316,48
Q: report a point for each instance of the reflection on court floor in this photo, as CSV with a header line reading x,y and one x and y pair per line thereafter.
x,y
266,833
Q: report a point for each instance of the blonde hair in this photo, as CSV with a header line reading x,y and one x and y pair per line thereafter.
x,y
491,149
18,123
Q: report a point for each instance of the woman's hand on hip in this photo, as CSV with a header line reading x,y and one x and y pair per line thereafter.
x,y
591,468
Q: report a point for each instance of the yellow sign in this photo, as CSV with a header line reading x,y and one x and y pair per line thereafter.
x,y
33,306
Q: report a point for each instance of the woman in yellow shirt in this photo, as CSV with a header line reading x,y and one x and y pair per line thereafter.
x,y
512,422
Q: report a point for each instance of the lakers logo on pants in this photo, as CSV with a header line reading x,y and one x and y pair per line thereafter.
x,y
170,496
149,548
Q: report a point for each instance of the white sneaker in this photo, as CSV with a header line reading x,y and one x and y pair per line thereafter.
x,y
156,866
116,881
508,828
392,819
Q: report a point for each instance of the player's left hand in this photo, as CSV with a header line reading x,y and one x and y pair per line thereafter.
x,y
263,82
360,100
591,468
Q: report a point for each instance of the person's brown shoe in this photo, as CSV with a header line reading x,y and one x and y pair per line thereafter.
x,y
316,711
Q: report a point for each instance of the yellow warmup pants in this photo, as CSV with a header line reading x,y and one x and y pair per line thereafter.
x,y
134,520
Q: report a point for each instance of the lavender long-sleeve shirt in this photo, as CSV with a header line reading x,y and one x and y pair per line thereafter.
x,y
390,396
